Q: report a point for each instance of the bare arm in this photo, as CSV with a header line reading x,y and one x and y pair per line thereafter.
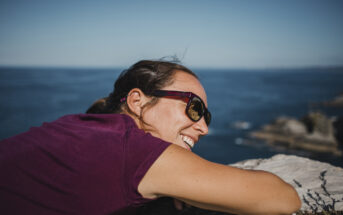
x,y
183,175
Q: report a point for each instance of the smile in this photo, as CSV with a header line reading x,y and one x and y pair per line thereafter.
x,y
189,141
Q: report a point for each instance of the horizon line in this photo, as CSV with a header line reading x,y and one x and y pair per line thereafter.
x,y
304,67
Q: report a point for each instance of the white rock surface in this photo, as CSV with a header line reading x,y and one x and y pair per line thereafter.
x,y
319,185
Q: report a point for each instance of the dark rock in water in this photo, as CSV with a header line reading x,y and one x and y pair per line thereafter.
x,y
336,102
285,125
338,125
314,132
317,122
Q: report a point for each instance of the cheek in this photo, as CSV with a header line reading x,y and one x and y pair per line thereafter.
x,y
168,118
158,119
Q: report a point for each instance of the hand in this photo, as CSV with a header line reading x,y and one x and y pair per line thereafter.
x,y
178,204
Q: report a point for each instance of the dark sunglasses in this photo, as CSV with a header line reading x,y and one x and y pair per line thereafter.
x,y
195,108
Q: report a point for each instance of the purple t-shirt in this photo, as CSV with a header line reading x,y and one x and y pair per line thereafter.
x,y
78,164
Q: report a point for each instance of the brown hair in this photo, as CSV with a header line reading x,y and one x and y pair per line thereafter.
x,y
147,75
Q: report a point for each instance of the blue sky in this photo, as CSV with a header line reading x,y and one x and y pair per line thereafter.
x,y
211,33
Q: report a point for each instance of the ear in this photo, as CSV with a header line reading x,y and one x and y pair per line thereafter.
x,y
135,100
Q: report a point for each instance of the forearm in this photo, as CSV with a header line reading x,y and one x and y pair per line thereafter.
x,y
269,195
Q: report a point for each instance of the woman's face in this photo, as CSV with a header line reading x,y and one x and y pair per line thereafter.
x,y
168,117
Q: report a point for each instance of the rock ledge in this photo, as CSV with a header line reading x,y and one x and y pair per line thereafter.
x,y
319,185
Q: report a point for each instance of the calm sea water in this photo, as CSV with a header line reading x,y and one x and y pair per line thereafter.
x,y
30,96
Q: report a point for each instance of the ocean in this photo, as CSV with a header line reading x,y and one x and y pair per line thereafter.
x,y
31,96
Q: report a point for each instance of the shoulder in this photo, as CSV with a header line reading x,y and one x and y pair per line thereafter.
x,y
102,126
172,171
109,121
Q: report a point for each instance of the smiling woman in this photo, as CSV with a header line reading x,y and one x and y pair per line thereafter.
x,y
130,148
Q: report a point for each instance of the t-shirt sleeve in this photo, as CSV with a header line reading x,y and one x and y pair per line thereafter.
x,y
141,151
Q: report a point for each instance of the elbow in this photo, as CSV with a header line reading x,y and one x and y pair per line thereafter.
x,y
293,202
289,202
297,202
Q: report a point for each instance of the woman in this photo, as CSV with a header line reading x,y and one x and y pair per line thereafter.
x,y
139,151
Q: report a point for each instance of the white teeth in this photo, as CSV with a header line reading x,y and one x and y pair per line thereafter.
x,y
188,141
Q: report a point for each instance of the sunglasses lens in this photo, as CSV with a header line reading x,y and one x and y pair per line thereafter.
x,y
196,109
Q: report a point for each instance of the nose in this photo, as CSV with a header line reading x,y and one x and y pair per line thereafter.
x,y
201,126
